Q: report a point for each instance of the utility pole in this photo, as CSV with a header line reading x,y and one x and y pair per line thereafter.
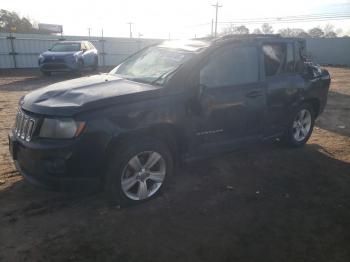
x,y
216,17
89,30
212,27
130,24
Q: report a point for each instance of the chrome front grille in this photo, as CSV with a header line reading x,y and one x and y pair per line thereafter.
x,y
24,126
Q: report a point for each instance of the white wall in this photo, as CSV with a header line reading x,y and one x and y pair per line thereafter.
x,y
29,46
332,51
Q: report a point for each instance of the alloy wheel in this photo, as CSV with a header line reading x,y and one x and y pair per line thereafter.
x,y
302,125
143,175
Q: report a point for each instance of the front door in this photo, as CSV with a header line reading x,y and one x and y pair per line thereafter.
x,y
232,100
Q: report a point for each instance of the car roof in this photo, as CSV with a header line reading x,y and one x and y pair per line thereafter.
x,y
254,38
185,45
70,42
198,44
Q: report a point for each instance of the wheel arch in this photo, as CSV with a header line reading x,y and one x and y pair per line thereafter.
x,y
315,103
168,134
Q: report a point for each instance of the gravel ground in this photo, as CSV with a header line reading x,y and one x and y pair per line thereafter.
x,y
263,203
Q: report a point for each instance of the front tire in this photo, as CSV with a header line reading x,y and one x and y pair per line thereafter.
x,y
138,171
95,65
301,126
80,67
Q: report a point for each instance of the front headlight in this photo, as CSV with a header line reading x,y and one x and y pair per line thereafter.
x,y
61,128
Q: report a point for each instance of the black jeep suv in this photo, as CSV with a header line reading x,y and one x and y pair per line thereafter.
x,y
174,101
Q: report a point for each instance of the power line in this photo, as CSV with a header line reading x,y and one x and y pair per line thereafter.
x,y
324,15
286,19
300,18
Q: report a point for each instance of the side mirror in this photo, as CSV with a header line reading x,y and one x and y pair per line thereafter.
x,y
83,49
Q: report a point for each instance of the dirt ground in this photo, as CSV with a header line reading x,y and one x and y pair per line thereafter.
x,y
264,203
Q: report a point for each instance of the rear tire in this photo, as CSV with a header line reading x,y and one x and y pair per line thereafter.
x,y
301,126
138,171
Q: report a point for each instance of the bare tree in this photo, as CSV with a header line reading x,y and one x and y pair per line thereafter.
x,y
266,28
257,31
232,29
329,31
293,32
316,32
286,32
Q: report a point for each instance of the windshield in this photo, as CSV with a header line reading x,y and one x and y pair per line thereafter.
x,y
152,65
65,47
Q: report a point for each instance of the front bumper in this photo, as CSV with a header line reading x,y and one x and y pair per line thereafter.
x,y
56,165
59,66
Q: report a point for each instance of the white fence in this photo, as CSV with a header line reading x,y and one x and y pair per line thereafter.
x,y
329,51
22,50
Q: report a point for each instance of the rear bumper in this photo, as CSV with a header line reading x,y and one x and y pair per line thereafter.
x,y
59,166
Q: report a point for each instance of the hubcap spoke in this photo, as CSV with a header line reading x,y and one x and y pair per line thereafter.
x,y
135,163
129,182
142,191
303,113
152,160
298,133
157,177
307,120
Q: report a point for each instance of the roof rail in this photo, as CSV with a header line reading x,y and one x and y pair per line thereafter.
x,y
240,36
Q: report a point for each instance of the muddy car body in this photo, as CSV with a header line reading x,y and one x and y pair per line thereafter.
x,y
126,129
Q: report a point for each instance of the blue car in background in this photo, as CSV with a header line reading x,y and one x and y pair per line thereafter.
x,y
69,56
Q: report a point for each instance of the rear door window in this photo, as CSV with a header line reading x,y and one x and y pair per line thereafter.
x,y
279,58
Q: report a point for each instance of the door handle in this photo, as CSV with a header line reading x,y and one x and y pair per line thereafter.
x,y
254,93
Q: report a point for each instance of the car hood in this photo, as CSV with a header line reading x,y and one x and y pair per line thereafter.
x,y
58,54
86,93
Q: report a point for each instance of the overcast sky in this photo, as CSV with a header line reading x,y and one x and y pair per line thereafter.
x,y
158,18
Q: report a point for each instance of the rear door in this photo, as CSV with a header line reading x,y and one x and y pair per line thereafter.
x,y
283,83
